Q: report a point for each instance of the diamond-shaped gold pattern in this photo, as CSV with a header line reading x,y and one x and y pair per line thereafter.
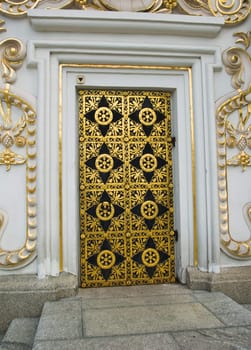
x,y
126,188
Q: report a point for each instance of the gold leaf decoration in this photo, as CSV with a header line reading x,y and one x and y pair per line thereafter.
x,y
234,140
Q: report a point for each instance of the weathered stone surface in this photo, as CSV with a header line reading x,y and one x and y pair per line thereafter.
x,y
21,305
139,319
219,307
14,347
21,331
60,320
205,296
247,306
23,296
21,283
136,342
137,301
215,339
121,318
234,282
235,318
134,291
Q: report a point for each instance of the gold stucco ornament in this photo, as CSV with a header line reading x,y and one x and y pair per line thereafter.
x,y
233,12
17,149
234,139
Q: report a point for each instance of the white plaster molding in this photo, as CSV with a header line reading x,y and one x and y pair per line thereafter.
x,y
177,82
200,55
124,23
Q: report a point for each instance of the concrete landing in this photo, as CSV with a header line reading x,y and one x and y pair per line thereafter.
x,y
157,317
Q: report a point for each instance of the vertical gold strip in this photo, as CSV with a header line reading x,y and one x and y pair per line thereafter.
x,y
195,238
60,182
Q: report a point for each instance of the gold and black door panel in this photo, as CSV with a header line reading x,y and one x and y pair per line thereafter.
x,y
126,188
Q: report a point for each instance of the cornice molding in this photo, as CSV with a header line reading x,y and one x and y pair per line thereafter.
x,y
124,23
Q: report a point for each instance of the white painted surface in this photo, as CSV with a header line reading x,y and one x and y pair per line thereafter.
x,y
55,37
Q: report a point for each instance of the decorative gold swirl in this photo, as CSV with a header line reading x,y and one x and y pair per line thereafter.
x,y
194,7
235,133
17,8
237,62
233,247
24,255
233,11
14,52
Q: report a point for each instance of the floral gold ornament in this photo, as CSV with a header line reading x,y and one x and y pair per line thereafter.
x,y
237,61
106,259
233,106
150,257
234,140
9,158
149,210
232,11
240,137
12,132
126,192
148,162
103,116
104,163
20,120
17,148
105,211
147,116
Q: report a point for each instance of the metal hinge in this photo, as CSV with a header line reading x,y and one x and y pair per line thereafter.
x,y
173,141
176,235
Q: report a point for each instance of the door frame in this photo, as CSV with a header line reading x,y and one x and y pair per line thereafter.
x,y
103,60
177,81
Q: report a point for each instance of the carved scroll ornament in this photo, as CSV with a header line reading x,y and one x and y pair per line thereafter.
x,y
234,140
233,11
17,148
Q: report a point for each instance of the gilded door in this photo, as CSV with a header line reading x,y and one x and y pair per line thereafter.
x,y
126,188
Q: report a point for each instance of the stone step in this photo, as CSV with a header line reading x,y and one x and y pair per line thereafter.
x,y
20,334
144,317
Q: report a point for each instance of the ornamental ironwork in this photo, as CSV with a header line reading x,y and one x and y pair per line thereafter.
x,y
126,188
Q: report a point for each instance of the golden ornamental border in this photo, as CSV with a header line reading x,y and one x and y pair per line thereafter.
x,y
237,62
15,135
238,249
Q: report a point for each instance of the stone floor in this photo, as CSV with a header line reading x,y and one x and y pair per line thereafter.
x,y
247,306
163,317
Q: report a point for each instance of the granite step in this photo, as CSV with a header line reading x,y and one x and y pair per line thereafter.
x,y
20,334
144,317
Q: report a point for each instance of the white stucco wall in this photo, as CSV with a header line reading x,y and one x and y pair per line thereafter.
x,y
102,38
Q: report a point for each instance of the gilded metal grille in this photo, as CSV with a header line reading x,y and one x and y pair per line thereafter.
x,y
126,188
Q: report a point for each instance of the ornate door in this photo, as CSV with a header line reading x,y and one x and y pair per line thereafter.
x,y
126,188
